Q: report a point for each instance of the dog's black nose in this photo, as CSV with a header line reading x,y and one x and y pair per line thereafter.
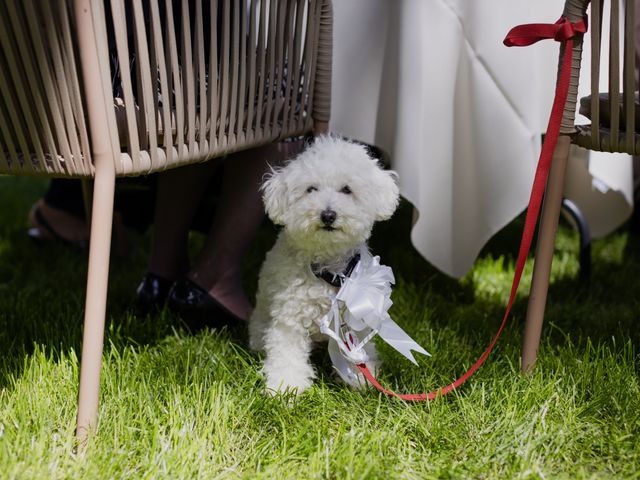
x,y
328,216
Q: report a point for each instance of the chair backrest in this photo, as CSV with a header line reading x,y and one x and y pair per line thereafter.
x,y
190,80
612,107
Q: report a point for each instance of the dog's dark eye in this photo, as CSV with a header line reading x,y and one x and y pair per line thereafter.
x,y
312,188
346,190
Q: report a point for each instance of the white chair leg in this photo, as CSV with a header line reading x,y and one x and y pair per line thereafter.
x,y
544,254
96,302
103,155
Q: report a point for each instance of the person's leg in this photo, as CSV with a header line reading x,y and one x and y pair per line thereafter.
x,y
60,213
178,194
218,268
65,194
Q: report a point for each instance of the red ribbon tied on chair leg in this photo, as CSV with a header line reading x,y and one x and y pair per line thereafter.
x,y
523,35
561,31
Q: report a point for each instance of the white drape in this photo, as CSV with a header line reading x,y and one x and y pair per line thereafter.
x,y
430,82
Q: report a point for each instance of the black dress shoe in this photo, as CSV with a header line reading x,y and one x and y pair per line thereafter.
x,y
199,309
152,292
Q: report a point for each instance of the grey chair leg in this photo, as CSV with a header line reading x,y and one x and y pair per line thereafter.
x,y
544,254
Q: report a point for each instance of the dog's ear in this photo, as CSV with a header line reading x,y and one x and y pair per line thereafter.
x,y
274,195
387,193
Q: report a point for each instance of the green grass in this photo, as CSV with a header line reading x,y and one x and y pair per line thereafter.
x,y
180,406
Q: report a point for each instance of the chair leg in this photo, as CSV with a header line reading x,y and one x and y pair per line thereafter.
x,y
544,254
104,155
95,307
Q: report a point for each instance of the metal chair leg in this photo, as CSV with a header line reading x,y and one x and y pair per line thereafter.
x,y
96,304
544,254
104,156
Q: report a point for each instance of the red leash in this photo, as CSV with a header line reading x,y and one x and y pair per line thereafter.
x,y
520,36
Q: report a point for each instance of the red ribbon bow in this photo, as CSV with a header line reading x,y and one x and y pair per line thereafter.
x,y
561,31
520,36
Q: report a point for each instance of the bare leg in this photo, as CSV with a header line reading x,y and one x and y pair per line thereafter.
x,y
64,224
51,223
237,218
178,194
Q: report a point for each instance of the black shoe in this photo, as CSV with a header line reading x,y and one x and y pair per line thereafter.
x,y
152,292
199,309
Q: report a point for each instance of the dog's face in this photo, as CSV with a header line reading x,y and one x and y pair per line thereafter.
x,y
329,197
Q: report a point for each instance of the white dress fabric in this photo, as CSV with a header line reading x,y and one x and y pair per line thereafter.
x,y
431,83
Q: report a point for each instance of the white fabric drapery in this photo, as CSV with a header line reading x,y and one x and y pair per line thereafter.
x,y
460,114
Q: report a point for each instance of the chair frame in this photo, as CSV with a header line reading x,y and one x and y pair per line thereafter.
x,y
208,113
612,139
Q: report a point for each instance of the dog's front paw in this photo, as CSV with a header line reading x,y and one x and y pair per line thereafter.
x,y
295,382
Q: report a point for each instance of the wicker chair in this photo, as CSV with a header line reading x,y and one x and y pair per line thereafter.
x,y
613,128
209,78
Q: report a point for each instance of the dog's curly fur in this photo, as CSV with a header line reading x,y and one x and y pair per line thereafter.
x,y
331,175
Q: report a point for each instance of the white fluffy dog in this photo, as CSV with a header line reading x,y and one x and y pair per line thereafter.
x,y
327,200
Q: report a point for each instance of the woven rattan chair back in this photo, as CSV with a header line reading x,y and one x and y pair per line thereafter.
x,y
104,88
182,81
612,108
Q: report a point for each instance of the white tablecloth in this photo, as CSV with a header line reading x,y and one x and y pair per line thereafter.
x,y
430,82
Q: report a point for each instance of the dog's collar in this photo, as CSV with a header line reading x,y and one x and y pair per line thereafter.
x,y
335,279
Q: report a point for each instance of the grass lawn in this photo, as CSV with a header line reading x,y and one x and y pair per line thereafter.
x,y
181,406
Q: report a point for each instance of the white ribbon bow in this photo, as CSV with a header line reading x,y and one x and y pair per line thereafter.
x,y
358,313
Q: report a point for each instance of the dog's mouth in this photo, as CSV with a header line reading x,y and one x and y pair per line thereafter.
x,y
328,228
